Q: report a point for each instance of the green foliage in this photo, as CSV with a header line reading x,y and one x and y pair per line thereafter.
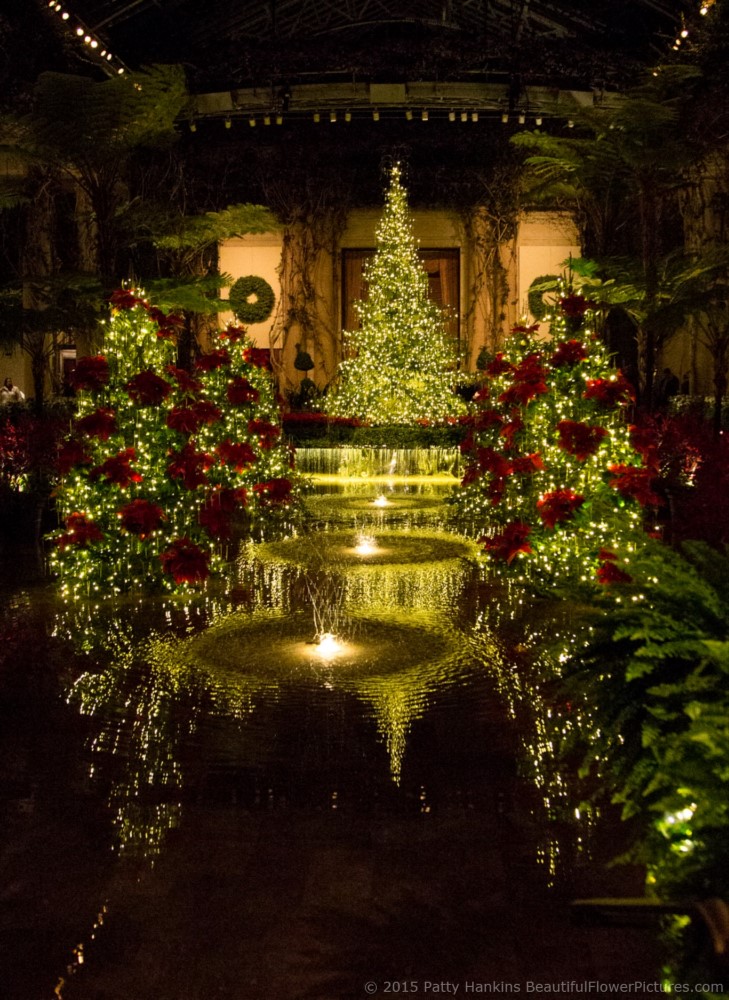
x,y
402,363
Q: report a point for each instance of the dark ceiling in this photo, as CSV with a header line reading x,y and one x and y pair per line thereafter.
x,y
237,43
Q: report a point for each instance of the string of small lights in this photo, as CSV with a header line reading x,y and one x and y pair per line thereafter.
x,y
88,38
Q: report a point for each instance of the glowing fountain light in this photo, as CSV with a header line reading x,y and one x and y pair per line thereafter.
x,y
381,501
328,646
366,545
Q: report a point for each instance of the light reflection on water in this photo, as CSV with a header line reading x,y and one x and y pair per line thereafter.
x,y
193,705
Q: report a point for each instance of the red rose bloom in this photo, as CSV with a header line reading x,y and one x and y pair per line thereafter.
x,y
507,544
91,372
123,299
100,424
141,517
240,455
267,433
259,357
568,352
241,391
609,392
273,491
185,382
578,439
212,360
117,469
80,532
69,454
148,389
635,483
185,562
558,506
190,466
608,573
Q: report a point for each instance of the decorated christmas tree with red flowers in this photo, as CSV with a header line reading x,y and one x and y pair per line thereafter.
x,y
556,479
164,467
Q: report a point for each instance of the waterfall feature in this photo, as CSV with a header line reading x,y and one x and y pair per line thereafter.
x,y
378,461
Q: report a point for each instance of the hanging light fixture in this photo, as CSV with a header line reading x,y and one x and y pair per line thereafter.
x,y
424,115
332,116
375,115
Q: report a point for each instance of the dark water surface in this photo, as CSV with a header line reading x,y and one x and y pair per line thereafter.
x,y
198,802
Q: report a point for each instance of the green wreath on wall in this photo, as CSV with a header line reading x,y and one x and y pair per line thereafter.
x,y
252,299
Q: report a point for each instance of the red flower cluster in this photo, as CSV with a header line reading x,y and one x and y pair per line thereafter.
x,y
527,464
635,483
575,306
213,359
267,433
232,333
185,562
190,466
509,431
558,506
217,515
609,392
189,419
141,517
168,325
274,491
241,391
608,572
529,381
578,439
568,352
117,469
240,455
484,419
69,454
645,441
80,532
185,382
147,388
507,544
91,372
499,366
100,424
260,357
123,299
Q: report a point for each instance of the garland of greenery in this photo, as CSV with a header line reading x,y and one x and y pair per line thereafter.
x,y
262,305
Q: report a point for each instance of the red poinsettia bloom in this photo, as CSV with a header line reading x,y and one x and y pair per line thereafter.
x,y
609,392
185,382
80,532
232,333
260,357
189,419
529,381
190,466
484,419
635,483
644,439
527,464
481,394
558,506
499,366
91,372
241,391
575,306
507,544
578,439
216,517
147,388
141,517
69,454
608,573
511,428
606,555
168,326
267,433
213,359
494,462
100,424
568,352
118,470
274,491
521,328
123,299
238,454
185,562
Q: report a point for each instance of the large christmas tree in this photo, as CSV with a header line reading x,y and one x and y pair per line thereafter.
x,y
163,468
402,362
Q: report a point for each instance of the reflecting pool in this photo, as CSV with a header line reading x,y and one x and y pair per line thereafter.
x,y
333,770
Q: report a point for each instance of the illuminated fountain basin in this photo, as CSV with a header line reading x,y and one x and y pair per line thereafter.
x,y
391,502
